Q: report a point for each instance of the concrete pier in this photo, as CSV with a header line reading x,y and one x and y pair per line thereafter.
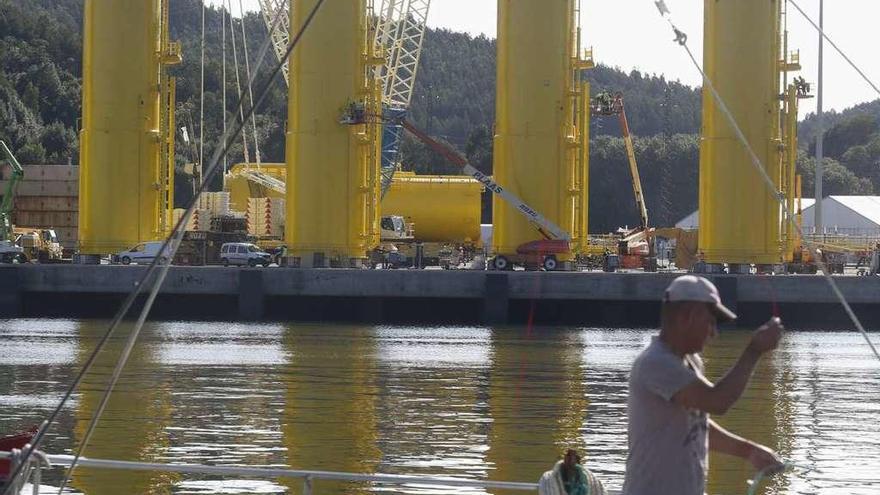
x,y
420,296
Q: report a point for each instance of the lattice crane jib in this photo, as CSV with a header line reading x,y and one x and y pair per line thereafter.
x,y
402,59
276,14
399,33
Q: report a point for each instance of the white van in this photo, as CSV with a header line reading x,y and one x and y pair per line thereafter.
x,y
243,253
143,253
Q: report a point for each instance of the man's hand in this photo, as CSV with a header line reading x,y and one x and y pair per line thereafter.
x,y
763,459
767,337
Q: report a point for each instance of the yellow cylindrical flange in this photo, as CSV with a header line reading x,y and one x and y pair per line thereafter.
x,y
332,168
119,187
538,142
442,208
739,216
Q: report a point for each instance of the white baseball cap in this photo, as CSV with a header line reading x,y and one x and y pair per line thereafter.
x,y
692,288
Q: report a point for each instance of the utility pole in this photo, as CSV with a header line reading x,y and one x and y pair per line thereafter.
x,y
820,136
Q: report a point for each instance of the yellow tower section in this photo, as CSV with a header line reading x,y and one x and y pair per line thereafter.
x,y
542,104
739,217
442,208
332,168
120,193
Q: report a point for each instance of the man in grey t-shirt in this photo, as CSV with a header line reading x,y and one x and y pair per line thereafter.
x,y
670,400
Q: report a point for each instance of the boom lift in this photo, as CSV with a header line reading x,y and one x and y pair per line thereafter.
x,y
9,252
538,253
606,104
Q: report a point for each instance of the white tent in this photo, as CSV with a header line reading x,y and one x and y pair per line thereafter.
x,y
692,221
847,215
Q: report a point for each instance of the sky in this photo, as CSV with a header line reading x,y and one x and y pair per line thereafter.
x,y
630,34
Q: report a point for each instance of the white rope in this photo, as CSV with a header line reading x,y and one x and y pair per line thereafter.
x,y
223,85
202,96
244,143
247,66
681,39
833,44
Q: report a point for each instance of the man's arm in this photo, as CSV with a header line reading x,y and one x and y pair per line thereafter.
x,y
725,442
718,398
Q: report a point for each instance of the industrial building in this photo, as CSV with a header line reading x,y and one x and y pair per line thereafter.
x,y
842,215
845,215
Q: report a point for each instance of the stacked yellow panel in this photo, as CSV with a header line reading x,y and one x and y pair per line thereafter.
x,y
265,217
215,202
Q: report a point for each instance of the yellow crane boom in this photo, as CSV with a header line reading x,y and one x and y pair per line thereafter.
x,y
609,105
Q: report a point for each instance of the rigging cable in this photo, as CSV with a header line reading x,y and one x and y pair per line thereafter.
x,y
170,246
833,44
247,67
223,85
202,96
247,157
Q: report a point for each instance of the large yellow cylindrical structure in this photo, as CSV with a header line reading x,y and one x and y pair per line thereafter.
x,y
739,217
442,208
119,186
332,168
540,136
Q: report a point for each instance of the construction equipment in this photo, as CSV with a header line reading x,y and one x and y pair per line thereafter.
x,y
635,245
9,252
606,104
536,254
39,244
399,32
6,206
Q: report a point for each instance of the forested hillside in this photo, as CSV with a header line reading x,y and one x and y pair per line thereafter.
x,y
40,106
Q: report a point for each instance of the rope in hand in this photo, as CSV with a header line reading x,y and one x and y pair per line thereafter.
x,y
755,483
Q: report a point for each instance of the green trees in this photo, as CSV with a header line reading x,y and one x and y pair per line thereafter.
x,y
851,149
39,80
454,100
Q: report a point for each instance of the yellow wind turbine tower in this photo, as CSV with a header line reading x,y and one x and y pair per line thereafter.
x,y
542,121
739,217
124,193
332,168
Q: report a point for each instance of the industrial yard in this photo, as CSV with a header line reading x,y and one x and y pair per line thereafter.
x,y
345,199
341,247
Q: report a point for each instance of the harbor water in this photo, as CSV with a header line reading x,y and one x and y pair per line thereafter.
x,y
472,402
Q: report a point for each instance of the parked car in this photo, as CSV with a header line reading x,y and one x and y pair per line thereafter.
x,y
243,253
143,253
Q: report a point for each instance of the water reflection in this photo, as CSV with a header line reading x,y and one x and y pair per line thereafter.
x,y
227,398
758,401
329,419
434,408
133,423
537,401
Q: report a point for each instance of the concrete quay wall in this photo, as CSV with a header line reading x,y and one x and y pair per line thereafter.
x,y
420,296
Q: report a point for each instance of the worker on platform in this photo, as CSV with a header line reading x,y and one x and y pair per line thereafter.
x,y
670,400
